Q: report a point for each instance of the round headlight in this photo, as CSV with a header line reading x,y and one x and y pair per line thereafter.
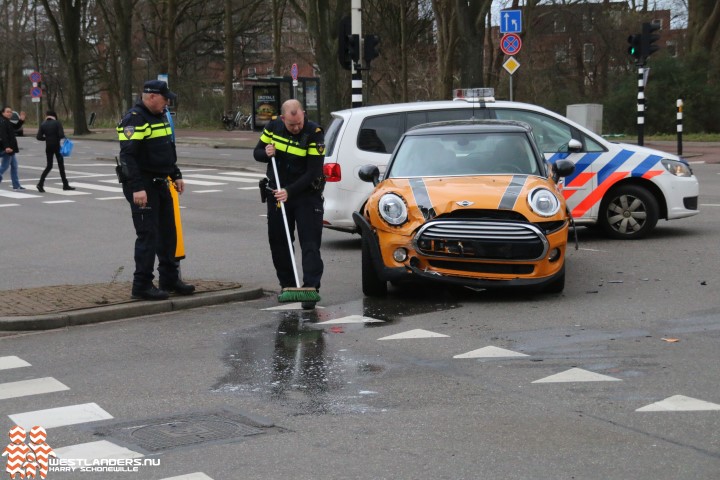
x,y
392,209
543,202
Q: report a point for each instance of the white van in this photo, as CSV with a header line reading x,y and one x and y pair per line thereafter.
x,y
622,188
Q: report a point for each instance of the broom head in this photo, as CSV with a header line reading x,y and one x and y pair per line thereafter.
x,y
299,295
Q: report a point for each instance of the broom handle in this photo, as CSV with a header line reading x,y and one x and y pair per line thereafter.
x,y
285,224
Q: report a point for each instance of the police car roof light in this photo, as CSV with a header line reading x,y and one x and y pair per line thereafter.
x,y
484,94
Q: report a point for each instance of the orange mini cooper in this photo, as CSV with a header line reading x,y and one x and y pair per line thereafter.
x,y
469,203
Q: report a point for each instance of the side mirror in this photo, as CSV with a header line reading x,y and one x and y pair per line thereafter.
x,y
562,168
369,173
574,146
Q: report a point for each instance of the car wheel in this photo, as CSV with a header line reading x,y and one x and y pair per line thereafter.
x,y
557,285
372,284
628,212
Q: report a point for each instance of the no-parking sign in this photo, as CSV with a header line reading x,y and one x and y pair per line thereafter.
x,y
510,44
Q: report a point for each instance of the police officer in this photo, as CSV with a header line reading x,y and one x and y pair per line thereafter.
x,y
298,146
149,169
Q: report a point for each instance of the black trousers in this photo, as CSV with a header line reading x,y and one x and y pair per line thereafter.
x,y
305,212
49,153
156,234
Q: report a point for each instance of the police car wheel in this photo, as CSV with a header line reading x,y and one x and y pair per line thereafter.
x,y
628,212
372,284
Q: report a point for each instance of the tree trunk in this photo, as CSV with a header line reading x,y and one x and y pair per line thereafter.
x,y
471,31
229,68
704,33
447,39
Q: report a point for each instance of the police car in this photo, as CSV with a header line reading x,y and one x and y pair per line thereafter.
x,y
624,189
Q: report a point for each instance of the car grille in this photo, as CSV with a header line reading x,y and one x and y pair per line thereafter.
x,y
481,239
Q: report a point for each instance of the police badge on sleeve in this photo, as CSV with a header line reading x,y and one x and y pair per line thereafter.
x,y
321,148
128,131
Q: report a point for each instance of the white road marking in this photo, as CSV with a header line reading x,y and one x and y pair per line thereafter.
x,y
351,319
416,333
61,416
243,174
679,403
35,386
111,198
289,306
94,186
18,195
577,375
12,361
226,178
10,205
67,193
247,188
190,476
204,183
491,352
60,201
206,191
95,451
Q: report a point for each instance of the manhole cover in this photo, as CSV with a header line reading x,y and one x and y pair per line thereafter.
x,y
160,434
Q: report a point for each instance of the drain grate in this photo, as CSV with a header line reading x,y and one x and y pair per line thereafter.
x,y
161,434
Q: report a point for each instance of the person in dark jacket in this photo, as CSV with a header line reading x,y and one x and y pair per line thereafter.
x,y
298,146
51,132
149,170
9,146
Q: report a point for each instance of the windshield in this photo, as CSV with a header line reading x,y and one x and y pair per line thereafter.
x,y
464,154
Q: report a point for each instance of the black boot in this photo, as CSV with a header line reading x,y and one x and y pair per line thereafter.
x,y
40,188
68,187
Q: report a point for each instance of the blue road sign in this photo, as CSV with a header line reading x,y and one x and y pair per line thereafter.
x,y
510,21
36,92
294,71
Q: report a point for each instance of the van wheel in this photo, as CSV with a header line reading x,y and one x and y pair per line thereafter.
x,y
372,284
628,212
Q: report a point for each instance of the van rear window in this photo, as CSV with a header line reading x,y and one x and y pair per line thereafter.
x,y
381,133
331,135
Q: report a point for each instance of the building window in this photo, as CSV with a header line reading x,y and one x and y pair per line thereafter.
x,y
587,22
588,52
561,54
558,24
658,22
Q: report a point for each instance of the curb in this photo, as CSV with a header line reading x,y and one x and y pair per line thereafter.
x,y
127,310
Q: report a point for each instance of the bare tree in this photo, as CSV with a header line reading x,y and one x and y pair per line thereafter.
x,y
447,41
704,33
67,32
471,18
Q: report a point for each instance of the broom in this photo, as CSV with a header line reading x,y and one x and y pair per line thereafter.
x,y
297,294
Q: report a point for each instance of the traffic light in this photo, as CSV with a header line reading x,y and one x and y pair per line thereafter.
x,y
635,48
648,38
353,47
371,48
344,33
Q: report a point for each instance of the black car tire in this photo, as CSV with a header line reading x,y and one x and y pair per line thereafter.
x,y
628,212
557,285
372,284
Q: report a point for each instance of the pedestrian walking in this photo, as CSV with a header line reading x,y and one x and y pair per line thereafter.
x,y
296,145
148,170
51,132
9,146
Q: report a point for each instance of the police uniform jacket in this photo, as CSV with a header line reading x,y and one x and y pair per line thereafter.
x,y
146,147
299,157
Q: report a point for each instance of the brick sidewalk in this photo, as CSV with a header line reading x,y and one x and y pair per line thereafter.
x,y
66,298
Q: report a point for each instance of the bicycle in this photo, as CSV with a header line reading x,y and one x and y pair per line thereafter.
x,y
239,120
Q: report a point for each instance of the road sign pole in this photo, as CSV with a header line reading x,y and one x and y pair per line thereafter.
x,y
511,88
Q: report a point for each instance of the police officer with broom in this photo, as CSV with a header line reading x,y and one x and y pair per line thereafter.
x,y
148,170
293,147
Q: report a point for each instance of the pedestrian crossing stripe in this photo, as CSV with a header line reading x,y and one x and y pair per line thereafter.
x,y
94,186
12,361
34,386
202,183
679,403
50,202
218,177
67,193
61,416
416,333
243,174
190,476
95,451
10,205
351,319
577,375
491,352
17,195
206,191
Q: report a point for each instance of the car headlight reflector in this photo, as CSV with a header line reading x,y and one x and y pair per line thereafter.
x,y
392,209
679,169
543,202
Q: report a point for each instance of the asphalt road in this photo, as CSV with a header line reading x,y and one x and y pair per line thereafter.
x,y
587,384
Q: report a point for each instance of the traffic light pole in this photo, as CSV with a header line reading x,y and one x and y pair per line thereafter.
x,y
356,28
641,105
